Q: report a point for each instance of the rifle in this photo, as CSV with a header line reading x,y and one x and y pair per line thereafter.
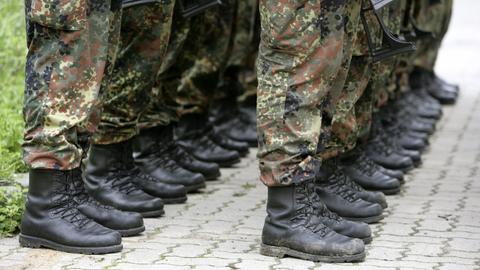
x,y
191,8
391,44
131,3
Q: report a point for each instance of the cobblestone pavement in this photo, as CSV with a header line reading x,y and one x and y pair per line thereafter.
x,y
434,223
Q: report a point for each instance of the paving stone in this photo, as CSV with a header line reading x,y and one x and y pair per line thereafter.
x,y
454,266
131,266
217,262
254,264
290,263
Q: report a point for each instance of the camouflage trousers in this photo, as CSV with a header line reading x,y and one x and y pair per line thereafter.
x,y
204,58
434,17
243,34
368,85
301,51
71,46
144,39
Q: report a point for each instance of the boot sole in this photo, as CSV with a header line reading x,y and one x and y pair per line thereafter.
x,y
228,164
280,252
35,242
367,240
193,188
174,200
152,214
407,169
131,232
212,177
392,191
368,220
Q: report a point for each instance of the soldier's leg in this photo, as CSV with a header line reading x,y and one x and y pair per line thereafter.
x,y
351,123
168,161
232,123
301,50
433,17
112,177
203,60
68,51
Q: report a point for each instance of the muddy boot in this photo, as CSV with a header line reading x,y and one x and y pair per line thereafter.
x,y
52,218
293,229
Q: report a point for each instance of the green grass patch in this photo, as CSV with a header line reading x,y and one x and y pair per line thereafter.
x,y
12,59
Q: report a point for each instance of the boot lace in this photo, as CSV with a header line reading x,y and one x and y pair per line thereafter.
x,y
65,205
341,185
161,156
365,165
177,152
305,211
121,180
82,197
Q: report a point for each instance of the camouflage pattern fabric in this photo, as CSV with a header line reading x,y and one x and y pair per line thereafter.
x,y
434,17
204,58
163,107
301,51
144,40
344,129
243,35
70,46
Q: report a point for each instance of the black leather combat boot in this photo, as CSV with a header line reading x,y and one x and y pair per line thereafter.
x,y
444,84
335,190
232,121
126,223
152,154
240,130
362,171
410,142
169,193
292,228
383,148
221,139
209,170
418,108
436,87
385,156
420,98
392,142
193,134
342,226
111,182
52,218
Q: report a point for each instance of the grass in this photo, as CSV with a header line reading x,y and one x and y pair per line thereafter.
x,y
12,58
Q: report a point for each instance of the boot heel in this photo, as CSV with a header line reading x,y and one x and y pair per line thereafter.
x,y
30,242
272,251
